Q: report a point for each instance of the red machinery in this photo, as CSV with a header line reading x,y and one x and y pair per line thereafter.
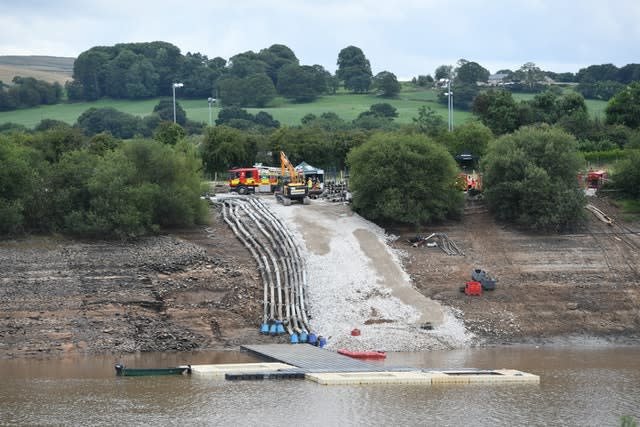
x,y
595,179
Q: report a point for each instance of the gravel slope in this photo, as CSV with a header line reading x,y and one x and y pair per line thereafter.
x,y
356,281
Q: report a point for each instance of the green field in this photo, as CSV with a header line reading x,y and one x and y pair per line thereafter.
x,y
594,106
347,106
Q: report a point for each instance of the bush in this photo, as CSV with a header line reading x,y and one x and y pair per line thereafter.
x,y
530,179
626,176
403,179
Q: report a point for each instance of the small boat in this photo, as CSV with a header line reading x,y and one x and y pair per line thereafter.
x,y
146,372
363,354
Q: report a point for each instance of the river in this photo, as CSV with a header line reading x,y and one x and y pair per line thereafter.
x,y
585,386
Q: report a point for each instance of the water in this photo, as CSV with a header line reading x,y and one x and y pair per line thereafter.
x,y
578,387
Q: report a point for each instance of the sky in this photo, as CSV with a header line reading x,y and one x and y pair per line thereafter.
x,y
405,37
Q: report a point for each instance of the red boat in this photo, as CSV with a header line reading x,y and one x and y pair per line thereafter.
x,y
363,354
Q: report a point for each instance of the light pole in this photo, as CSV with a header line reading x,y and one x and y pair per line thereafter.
x,y
211,101
174,86
450,104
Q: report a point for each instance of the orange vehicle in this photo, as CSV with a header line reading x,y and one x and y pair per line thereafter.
x,y
250,180
292,186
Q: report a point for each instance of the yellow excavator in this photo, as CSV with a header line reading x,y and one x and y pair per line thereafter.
x,y
292,186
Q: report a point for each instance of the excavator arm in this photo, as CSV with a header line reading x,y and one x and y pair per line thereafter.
x,y
295,189
286,166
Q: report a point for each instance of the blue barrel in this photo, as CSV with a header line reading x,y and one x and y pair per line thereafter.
x,y
264,329
294,338
272,329
312,338
279,328
303,336
322,342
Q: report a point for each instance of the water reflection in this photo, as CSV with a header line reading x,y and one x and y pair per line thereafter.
x,y
588,386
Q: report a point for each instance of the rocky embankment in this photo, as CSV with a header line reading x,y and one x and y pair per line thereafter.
x,y
155,294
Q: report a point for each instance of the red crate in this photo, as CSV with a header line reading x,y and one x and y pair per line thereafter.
x,y
473,288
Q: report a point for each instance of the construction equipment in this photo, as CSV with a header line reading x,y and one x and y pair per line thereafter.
x,y
250,180
480,281
472,288
479,275
292,186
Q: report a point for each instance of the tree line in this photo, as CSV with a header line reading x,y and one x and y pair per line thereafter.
x,y
58,180
254,79
27,92
248,79
116,175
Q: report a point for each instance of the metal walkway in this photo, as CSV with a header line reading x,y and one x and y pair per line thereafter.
x,y
311,358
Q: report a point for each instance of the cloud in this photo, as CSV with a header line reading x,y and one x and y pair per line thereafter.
x,y
406,37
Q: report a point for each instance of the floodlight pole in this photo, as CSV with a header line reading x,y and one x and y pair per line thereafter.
x,y
450,105
174,86
211,101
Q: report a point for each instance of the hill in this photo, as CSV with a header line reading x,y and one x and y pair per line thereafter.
x,y
48,68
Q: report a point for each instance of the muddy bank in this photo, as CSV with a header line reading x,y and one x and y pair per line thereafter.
x,y
200,290
156,294
579,287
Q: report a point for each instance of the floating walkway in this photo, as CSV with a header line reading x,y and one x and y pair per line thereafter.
x,y
310,358
329,368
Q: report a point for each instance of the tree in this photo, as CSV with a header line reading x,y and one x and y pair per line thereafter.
x,y
497,110
276,57
18,182
119,124
224,147
89,74
329,121
629,73
470,72
302,84
245,64
141,80
443,72
403,179
169,133
472,137
530,75
463,95
312,145
379,116
354,69
265,120
54,142
603,90
624,107
387,83
199,75
226,115
598,73
260,90
255,90
529,179
429,122
231,91
164,109
626,175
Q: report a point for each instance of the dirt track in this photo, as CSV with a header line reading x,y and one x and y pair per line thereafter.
x,y
199,289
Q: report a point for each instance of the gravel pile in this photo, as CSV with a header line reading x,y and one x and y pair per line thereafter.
x,y
344,292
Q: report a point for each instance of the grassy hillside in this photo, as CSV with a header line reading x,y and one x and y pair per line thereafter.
x,y
48,68
347,106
